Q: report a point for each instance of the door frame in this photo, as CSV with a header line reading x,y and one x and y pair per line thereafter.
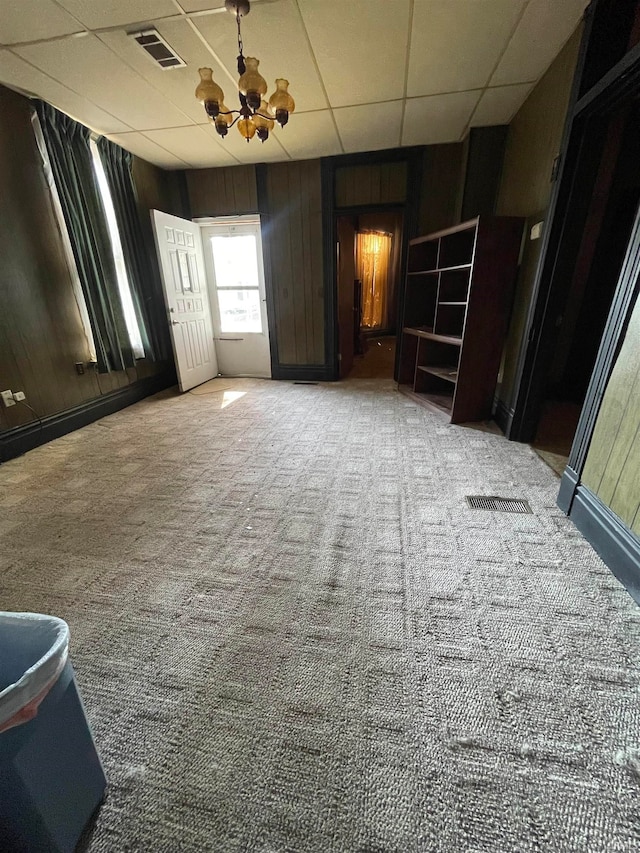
x,y
361,210
551,285
616,544
411,213
262,220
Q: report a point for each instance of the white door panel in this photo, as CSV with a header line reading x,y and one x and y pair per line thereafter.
x,y
179,247
235,272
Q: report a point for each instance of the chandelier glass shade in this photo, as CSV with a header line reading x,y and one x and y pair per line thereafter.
x,y
256,115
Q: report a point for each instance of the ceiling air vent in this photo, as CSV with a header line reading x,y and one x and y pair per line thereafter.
x,y
158,49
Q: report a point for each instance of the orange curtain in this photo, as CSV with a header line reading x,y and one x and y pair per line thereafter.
x,y
373,254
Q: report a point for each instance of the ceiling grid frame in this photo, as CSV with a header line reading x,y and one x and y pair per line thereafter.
x,y
497,64
444,116
406,71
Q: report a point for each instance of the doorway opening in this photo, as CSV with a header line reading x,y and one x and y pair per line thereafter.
x,y
236,283
605,217
214,288
369,252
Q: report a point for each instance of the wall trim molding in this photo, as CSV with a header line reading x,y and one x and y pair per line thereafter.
x,y
367,158
262,193
15,442
568,484
503,416
329,266
614,542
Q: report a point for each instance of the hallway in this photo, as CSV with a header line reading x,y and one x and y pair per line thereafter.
x,y
377,361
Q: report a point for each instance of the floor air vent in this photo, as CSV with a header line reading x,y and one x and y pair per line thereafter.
x,y
496,504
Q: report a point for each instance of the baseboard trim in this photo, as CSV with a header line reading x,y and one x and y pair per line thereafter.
x,y
503,416
614,542
15,442
305,373
568,485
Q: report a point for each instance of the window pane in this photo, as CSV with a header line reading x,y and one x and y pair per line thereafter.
x,y
235,260
239,310
116,246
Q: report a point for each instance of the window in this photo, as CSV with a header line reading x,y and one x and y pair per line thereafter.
x,y
64,235
116,247
235,263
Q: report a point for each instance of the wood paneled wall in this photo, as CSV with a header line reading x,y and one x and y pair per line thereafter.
x,y
375,183
291,207
222,192
290,201
296,255
534,139
612,467
41,334
483,171
443,179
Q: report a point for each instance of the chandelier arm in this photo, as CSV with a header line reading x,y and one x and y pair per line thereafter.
x,y
236,119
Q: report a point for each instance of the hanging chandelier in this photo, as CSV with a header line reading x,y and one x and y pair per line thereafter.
x,y
255,116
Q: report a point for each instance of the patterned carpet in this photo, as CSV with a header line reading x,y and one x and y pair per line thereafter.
x,y
292,635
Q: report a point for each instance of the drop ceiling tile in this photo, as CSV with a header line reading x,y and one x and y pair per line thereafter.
x,y
193,145
438,118
310,135
273,32
370,127
139,145
86,65
30,20
203,5
456,44
499,105
545,27
360,50
17,73
177,85
113,13
253,151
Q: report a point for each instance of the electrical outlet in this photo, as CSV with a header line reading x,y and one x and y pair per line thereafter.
x,y
7,398
19,396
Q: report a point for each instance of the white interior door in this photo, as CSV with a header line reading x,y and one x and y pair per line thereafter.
x,y
179,246
235,271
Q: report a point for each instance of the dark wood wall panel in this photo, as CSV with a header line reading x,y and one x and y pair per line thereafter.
x,y
375,183
295,248
443,178
41,334
222,192
484,170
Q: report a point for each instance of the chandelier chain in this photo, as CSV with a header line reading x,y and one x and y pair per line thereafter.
x,y
240,44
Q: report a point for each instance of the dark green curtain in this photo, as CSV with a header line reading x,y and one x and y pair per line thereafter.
x,y
71,163
146,289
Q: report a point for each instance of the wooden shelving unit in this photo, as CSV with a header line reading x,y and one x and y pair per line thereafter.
x,y
457,296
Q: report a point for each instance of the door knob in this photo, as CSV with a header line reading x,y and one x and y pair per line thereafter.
x,y
175,322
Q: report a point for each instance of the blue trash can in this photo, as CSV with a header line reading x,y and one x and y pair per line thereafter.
x,y
51,778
